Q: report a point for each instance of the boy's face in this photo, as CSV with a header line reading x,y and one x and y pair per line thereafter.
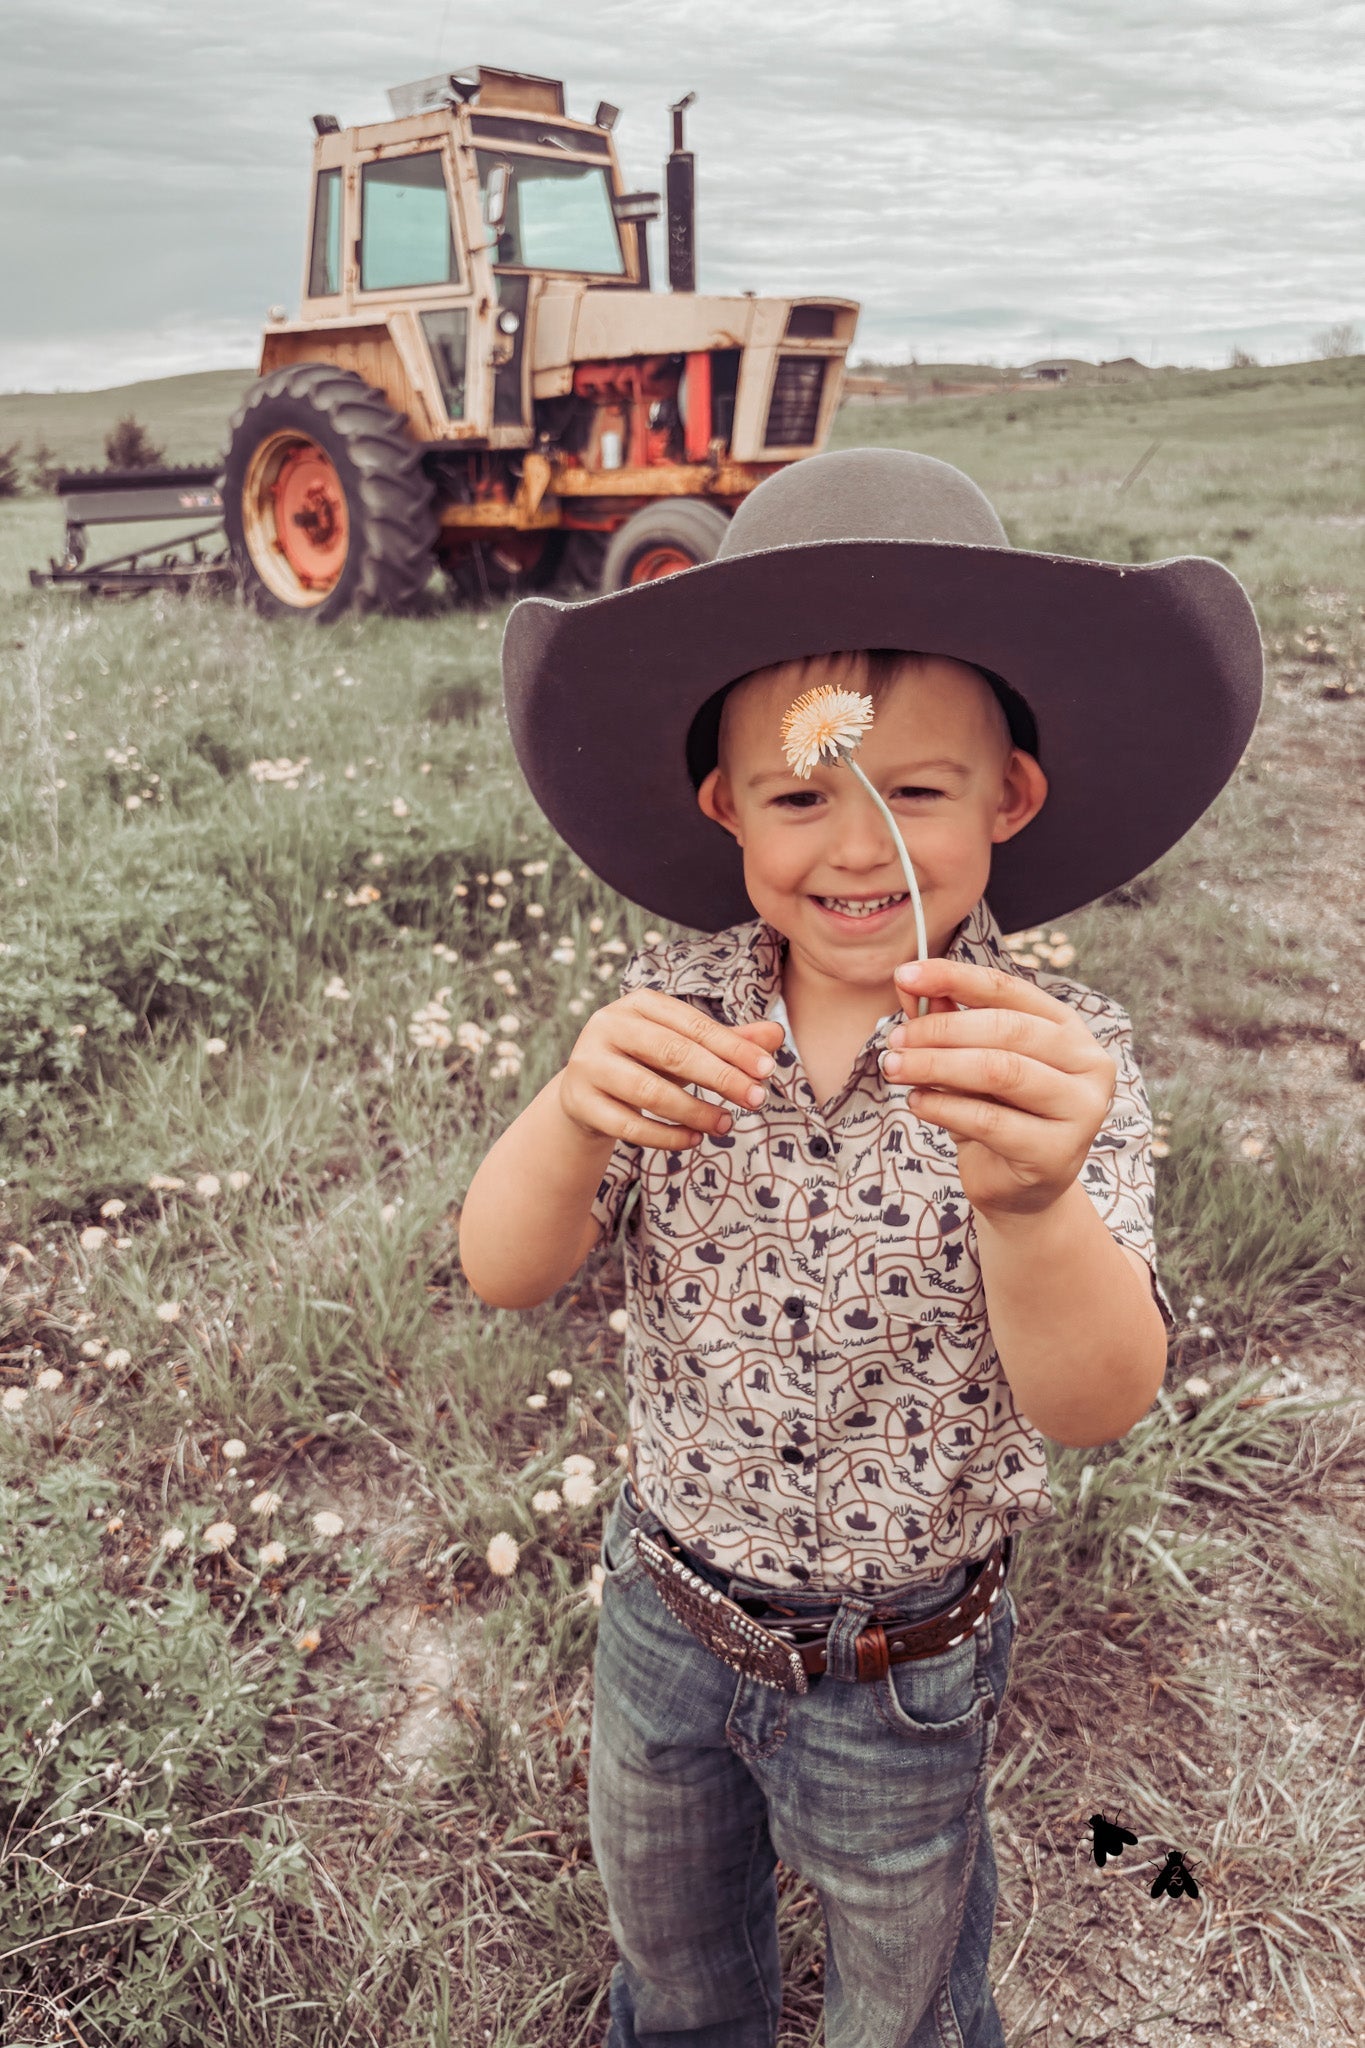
x,y
939,755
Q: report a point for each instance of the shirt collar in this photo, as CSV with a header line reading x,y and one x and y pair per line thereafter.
x,y
740,969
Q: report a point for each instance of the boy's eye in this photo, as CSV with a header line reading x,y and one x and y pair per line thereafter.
x,y
801,796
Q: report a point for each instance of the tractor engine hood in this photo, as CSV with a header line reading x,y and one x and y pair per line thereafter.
x,y
575,324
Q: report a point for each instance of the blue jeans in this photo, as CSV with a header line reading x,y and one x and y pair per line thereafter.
x,y
699,1779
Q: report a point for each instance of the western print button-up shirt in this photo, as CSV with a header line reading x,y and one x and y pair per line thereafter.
x,y
814,1398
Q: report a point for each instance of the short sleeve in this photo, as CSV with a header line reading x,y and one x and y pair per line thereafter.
x,y
623,1168
1119,1174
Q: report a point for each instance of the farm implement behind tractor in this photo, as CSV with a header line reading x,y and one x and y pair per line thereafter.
x,y
482,376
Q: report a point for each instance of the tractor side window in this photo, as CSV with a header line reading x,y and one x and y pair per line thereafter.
x,y
447,333
324,265
559,215
405,226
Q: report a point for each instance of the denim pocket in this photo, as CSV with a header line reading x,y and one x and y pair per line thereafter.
x,y
938,1699
619,1559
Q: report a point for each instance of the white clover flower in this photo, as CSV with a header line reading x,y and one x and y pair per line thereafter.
x,y
327,1524
165,1184
168,1311
219,1535
238,1179
535,867
560,1378
271,1554
336,990
613,946
472,1036
535,910
234,1449
171,1539
495,899
502,978
578,1462
509,1024
214,1046
112,1208
208,1185
505,1069
132,803
93,1237
49,1378
502,1554
654,938
536,1400
13,1399
267,1503
618,1322
118,1358
579,1489
502,876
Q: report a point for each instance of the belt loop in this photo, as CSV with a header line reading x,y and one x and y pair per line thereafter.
x,y
841,1648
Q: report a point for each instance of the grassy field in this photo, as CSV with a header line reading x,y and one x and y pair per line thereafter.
x,y
284,944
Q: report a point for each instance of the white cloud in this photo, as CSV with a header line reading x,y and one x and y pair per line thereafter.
x,y
986,179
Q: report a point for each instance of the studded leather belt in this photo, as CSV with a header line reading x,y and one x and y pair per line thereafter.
x,y
787,1656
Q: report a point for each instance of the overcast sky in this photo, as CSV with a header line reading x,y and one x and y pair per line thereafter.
x,y
998,181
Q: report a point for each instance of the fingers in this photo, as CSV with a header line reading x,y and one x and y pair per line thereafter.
x,y
990,1070
1067,1045
681,1042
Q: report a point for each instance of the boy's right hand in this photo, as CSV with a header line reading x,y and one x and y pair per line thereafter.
x,y
643,1050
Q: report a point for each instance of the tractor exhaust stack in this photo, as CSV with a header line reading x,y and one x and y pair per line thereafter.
x,y
682,206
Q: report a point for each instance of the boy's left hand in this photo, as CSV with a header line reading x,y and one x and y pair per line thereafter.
x,y
1014,1076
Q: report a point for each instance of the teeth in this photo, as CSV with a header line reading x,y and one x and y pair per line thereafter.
x,y
859,909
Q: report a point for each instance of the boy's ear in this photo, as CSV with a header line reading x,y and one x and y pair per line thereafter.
x,y
1022,796
713,797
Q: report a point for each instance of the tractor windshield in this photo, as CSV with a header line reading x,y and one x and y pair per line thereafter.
x,y
559,215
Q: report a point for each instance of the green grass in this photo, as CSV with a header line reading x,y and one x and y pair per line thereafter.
x,y
187,416
312,1891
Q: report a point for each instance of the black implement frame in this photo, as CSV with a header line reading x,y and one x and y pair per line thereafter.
x,y
120,497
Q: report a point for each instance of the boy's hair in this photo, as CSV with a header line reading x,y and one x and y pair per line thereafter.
x,y
872,671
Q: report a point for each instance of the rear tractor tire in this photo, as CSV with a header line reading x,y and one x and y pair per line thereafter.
x,y
325,501
662,538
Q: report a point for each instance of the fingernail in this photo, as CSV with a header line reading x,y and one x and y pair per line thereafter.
x,y
756,1096
765,1063
910,972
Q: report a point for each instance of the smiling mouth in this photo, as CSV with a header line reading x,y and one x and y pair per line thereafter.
x,y
855,910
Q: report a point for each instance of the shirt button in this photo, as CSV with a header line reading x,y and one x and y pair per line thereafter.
x,y
819,1148
792,1455
794,1307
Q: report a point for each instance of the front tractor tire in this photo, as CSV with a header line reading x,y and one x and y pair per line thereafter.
x,y
325,501
660,539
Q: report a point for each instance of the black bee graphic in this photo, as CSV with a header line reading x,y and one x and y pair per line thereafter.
x,y
1174,1878
1109,1838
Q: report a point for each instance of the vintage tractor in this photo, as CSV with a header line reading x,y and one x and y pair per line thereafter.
x,y
482,377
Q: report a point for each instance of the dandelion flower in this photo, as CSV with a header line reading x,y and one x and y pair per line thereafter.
x,y
502,876
168,1311
214,1046
560,1378
389,1210
238,1179
502,1554
618,1322
92,1347
112,1208
535,910
327,1524
472,1036
536,1400
117,1358
577,1462
234,1449
1160,1149
622,1454
208,1185
399,808
495,899
579,1489
508,1024
574,1007
546,1501
308,1641
1250,1148
271,1554
220,1535
596,1581
165,1184
93,1237
827,723
595,924
13,1399
132,803
563,956
49,1379
267,1503
654,938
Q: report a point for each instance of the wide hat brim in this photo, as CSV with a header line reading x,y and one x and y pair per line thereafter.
x,y
1145,681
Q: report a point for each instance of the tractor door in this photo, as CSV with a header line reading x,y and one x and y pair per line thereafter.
x,y
408,263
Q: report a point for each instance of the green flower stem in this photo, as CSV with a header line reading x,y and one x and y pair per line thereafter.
x,y
920,939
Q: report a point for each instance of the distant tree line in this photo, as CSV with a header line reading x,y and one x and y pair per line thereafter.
x,y
127,445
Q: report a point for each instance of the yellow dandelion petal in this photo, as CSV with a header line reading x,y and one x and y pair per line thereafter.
x,y
823,723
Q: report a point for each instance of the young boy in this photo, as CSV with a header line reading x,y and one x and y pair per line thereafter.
x,y
874,1258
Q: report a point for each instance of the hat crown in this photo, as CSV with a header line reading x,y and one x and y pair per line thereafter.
x,y
864,494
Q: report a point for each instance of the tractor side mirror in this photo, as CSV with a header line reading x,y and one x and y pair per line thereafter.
x,y
495,195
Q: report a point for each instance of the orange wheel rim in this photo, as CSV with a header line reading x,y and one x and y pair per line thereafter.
x,y
294,518
664,560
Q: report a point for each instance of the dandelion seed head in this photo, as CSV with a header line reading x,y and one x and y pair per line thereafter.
x,y
823,724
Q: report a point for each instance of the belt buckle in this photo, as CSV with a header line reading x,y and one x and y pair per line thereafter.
x,y
716,1621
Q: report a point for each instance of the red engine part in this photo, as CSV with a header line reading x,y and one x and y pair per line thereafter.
x,y
635,385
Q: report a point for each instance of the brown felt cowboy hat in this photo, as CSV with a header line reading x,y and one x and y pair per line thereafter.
x,y
1140,683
